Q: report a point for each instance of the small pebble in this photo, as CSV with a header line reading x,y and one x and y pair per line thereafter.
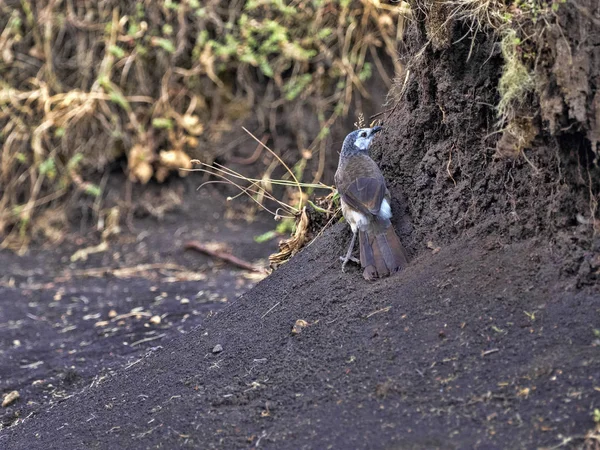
x,y
218,348
155,320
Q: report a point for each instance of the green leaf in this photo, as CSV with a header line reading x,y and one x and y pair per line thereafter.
x,y
15,22
324,133
17,209
119,99
265,237
162,123
317,208
141,50
295,86
324,32
116,51
286,226
266,68
165,44
366,72
48,168
133,28
104,81
93,190
170,4
23,226
74,161
202,38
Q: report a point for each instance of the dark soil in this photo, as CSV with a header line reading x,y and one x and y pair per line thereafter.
x,y
478,346
489,339
64,325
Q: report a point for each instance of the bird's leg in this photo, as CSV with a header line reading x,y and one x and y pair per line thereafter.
x,y
348,256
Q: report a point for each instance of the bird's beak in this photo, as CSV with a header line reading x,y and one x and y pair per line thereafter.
x,y
376,129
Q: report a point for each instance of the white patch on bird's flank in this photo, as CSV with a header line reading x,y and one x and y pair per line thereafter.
x,y
385,210
357,220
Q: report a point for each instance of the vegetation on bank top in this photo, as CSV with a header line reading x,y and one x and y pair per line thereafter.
x,y
161,82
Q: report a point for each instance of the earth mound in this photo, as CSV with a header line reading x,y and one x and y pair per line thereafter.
x,y
487,340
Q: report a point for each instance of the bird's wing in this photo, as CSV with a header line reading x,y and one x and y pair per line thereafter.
x,y
365,194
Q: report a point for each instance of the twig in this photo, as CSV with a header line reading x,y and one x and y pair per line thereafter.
x,y
270,309
374,116
195,245
402,91
278,158
252,158
382,310
448,168
129,366
489,352
148,339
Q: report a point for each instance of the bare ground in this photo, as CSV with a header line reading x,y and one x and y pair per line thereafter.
x,y
65,325
481,345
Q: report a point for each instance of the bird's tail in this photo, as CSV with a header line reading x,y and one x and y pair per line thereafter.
x,y
381,252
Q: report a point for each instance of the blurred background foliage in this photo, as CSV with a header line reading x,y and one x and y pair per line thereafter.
x,y
153,84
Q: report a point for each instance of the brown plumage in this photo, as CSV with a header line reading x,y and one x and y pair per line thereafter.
x,y
366,203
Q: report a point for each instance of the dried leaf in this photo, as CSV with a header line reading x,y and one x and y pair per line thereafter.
x,y
192,124
299,326
175,159
139,162
10,398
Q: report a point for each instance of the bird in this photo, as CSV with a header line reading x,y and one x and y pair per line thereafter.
x,y
365,202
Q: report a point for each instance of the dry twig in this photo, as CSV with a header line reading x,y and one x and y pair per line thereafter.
x,y
231,259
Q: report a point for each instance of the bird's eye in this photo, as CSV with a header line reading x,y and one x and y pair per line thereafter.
x,y
363,134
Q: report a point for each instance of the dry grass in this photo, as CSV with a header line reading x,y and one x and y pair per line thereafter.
x,y
516,82
480,15
157,83
289,205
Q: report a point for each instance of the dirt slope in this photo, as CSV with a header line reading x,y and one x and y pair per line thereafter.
x,y
478,346
489,342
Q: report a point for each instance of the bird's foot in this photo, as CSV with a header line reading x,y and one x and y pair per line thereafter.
x,y
345,261
370,273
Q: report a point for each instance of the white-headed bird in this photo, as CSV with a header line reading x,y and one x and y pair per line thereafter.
x,y
365,202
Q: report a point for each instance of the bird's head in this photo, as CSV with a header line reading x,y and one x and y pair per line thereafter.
x,y
359,141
